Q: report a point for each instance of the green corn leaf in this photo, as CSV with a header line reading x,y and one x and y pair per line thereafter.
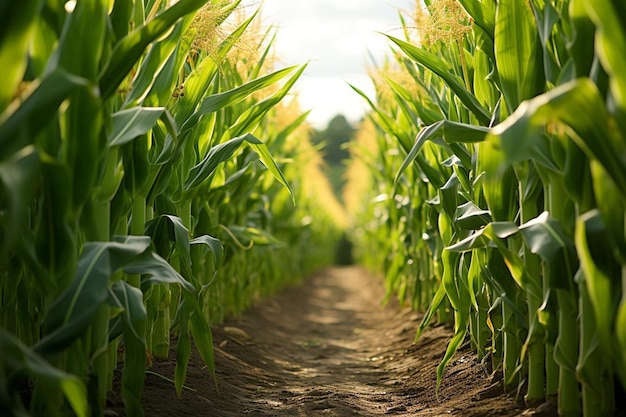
x,y
85,143
213,245
577,104
251,117
483,13
70,314
81,43
166,80
18,21
165,229
129,300
431,311
546,20
612,205
223,152
218,101
17,357
19,126
498,181
581,47
156,270
546,238
461,322
495,234
449,197
155,64
518,52
469,216
610,20
120,16
266,157
484,87
450,132
183,348
130,48
203,339
216,155
438,66
248,236
16,179
131,123
124,129
601,274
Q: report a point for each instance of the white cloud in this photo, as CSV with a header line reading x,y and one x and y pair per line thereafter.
x,y
335,37
329,96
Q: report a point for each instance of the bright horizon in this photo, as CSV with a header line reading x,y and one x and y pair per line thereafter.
x,y
336,38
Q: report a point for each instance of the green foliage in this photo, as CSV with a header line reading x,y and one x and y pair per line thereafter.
x,y
146,190
499,208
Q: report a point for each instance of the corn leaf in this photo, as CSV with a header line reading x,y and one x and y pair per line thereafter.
x,y
212,245
518,52
128,50
579,105
134,371
601,273
203,339
546,238
437,65
129,300
166,229
218,101
483,13
154,65
131,123
17,174
71,313
609,17
19,126
156,270
17,357
450,132
18,21
469,216
183,348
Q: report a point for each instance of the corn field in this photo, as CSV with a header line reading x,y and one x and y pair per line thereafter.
x,y
156,176
495,158
152,181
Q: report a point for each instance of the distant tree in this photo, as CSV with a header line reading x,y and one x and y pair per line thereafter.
x,y
338,132
332,141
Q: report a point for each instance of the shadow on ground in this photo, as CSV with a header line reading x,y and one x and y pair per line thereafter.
x,y
328,348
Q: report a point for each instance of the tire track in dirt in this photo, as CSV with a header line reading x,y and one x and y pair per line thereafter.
x,y
328,348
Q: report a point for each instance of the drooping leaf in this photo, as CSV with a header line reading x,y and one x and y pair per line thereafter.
x,y
19,126
70,314
17,358
131,123
451,132
579,106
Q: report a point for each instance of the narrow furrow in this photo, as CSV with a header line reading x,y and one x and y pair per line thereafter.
x,y
329,347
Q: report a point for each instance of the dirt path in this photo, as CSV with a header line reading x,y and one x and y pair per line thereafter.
x,y
328,348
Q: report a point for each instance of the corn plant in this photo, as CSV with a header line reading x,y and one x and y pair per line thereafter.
x,y
519,144
137,183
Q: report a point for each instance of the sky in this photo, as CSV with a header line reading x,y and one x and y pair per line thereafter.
x,y
337,38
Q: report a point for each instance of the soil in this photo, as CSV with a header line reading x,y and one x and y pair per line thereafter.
x,y
329,348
